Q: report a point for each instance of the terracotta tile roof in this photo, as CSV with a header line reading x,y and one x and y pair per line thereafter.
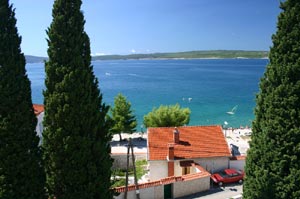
x,y
195,142
145,185
38,108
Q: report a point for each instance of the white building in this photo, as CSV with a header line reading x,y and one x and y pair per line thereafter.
x,y
39,113
176,151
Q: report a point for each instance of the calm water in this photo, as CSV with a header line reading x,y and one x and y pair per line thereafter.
x,y
210,88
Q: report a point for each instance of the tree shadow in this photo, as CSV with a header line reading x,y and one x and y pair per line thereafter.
x,y
138,142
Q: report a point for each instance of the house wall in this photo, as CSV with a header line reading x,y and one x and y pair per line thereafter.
x,y
237,164
184,188
213,164
156,192
179,189
158,170
39,126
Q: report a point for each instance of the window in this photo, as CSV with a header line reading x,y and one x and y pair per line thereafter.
x,y
186,170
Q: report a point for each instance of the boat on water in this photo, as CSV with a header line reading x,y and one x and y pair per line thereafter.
x,y
233,110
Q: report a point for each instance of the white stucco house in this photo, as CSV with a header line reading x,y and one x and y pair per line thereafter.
x,y
178,151
180,161
39,113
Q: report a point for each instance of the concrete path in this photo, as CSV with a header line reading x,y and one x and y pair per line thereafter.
x,y
229,191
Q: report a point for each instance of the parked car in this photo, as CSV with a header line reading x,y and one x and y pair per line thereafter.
x,y
228,176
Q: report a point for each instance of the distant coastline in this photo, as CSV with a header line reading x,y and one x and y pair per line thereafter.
x,y
210,54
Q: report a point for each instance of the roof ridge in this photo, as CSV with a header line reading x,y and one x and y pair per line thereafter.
x,y
194,126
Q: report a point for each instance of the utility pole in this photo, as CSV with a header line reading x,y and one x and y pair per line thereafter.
x,y
137,191
127,167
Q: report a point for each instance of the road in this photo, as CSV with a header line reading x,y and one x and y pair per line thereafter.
x,y
228,191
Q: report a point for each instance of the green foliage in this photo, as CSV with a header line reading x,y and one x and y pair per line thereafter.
x,y
21,171
272,165
123,119
140,166
76,136
119,182
167,116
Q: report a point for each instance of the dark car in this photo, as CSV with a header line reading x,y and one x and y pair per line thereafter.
x,y
228,176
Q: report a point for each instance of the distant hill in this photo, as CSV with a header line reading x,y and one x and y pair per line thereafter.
x,y
205,54
190,55
34,59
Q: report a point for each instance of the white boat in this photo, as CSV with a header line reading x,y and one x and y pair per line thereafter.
x,y
233,110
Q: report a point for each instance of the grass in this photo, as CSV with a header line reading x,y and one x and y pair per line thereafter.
x,y
119,182
140,171
140,168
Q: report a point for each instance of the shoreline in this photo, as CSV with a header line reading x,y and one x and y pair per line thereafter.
x,y
180,58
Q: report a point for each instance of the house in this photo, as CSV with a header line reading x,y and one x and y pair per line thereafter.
x,y
180,161
177,151
39,113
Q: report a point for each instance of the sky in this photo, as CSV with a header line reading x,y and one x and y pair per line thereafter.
x,y
149,26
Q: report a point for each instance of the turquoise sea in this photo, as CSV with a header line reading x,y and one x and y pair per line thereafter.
x,y
209,87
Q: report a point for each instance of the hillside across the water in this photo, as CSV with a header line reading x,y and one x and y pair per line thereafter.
x,y
190,55
205,54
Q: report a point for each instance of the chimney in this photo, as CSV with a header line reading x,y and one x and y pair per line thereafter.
x,y
176,135
170,160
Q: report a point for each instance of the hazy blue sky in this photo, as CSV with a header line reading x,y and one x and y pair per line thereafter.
x,y
146,26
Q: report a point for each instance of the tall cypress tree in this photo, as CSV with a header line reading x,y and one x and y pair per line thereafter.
x,y
273,161
76,139
21,171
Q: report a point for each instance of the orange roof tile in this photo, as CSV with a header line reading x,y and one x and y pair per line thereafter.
x,y
38,109
195,142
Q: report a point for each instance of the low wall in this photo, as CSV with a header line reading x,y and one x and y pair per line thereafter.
x,y
156,192
120,160
184,188
238,162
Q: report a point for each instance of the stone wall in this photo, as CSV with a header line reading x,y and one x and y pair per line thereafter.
x,y
120,160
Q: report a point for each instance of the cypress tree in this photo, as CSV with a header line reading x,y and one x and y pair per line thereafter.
x,y
21,171
273,164
76,139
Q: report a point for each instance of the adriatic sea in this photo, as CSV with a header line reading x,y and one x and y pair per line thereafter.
x,y
209,87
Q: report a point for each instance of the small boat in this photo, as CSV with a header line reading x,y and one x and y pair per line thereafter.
x,y
233,110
